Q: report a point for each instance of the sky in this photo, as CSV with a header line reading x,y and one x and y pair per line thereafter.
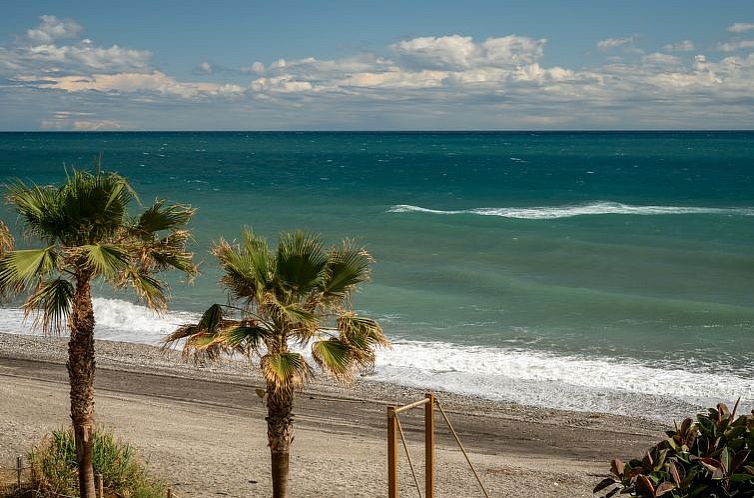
x,y
376,65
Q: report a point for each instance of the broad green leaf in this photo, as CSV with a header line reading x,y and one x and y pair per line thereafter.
x,y
107,260
334,356
285,370
18,269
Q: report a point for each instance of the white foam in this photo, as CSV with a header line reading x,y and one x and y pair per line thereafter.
x,y
115,320
514,374
558,381
568,211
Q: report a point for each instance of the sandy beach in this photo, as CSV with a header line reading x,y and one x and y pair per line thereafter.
x,y
202,429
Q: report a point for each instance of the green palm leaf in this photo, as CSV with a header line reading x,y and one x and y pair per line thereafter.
x,y
347,267
39,207
107,260
51,303
286,370
361,332
246,337
333,356
18,269
160,217
301,261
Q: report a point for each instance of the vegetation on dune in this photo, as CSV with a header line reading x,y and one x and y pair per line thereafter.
x,y
54,468
87,234
709,458
296,295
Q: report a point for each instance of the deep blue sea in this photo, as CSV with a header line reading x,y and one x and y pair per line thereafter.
x,y
582,270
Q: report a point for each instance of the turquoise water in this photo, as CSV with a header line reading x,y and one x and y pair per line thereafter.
x,y
611,264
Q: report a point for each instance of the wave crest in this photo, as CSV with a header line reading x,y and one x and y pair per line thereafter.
x,y
569,211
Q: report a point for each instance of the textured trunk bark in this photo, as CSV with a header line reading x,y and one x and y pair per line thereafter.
x,y
280,436
81,377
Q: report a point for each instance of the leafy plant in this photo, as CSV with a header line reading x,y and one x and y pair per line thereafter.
x,y
709,458
54,466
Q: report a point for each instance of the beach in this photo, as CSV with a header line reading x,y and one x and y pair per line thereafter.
x,y
202,428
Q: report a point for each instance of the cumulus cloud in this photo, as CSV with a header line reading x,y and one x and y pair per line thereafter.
x,y
681,46
51,28
461,52
450,81
736,45
741,27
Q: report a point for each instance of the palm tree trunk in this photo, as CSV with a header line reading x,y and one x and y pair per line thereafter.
x,y
81,376
280,436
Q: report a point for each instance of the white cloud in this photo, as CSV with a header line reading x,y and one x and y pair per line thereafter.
x,y
457,52
451,81
611,43
681,46
205,67
736,45
51,28
85,56
155,81
741,27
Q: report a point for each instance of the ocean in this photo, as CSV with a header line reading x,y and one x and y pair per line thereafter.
x,y
591,271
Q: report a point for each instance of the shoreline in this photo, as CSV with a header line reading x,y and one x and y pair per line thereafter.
x,y
516,448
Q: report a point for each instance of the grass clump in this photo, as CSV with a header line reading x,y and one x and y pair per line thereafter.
x,y
54,469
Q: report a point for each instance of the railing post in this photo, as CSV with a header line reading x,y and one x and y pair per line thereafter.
x,y
429,445
19,467
392,454
98,481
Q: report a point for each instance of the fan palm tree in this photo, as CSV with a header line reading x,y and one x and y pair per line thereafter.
x,y
280,301
87,235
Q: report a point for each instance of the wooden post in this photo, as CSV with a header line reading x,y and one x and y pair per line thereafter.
x,y
392,454
170,493
19,467
429,446
98,481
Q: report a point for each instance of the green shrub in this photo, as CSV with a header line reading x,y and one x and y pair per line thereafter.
x,y
54,469
709,458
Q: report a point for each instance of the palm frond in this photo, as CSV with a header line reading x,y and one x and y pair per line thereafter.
x,y
247,337
107,260
239,274
361,332
300,262
7,242
334,356
39,207
51,303
286,370
169,253
93,206
346,268
20,268
159,217
147,288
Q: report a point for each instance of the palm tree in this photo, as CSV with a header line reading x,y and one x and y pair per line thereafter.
x,y
88,235
280,301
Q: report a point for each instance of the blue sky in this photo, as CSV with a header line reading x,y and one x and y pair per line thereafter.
x,y
376,65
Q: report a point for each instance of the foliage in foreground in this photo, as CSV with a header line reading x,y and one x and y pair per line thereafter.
x,y
54,467
709,458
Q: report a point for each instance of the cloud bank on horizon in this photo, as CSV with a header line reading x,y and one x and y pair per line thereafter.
x,y
53,78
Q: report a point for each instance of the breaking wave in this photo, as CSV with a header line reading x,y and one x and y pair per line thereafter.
x,y
568,211
530,377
